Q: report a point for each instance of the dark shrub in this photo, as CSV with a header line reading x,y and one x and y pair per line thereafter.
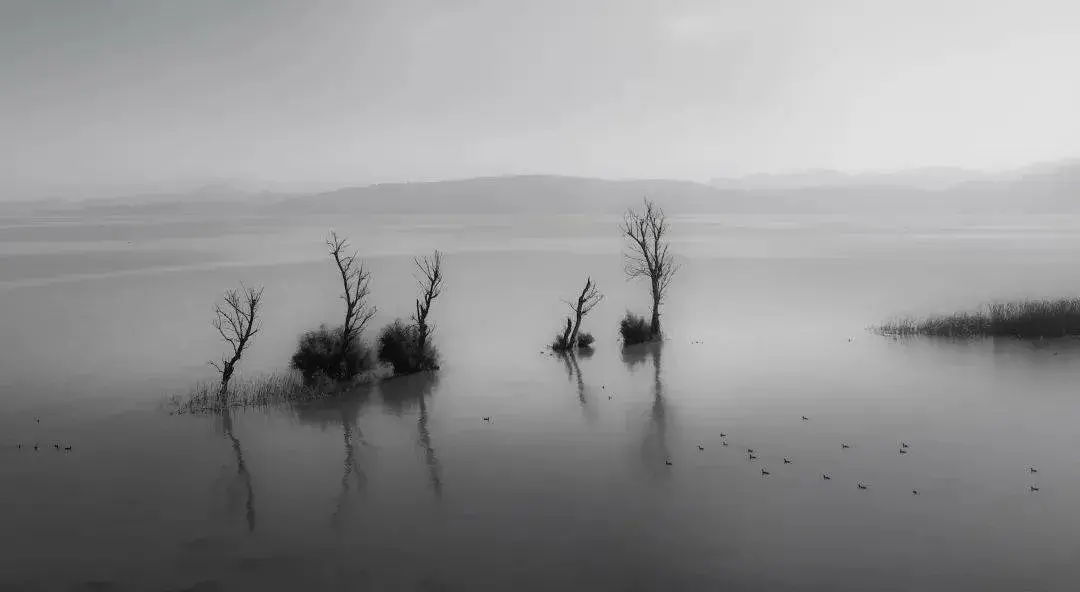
x,y
318,353
585,340
398,346
634,329
560,343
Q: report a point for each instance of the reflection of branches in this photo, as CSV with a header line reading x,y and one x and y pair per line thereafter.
x,y
241,467
574,370
655,446
350,467
402,394
430,459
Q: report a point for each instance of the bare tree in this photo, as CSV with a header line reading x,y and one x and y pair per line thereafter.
x,y
431,283
586,301
355,282
237,321
648,255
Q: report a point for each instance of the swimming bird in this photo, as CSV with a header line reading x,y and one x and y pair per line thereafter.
x,y
749,450
37,419
1034,487
700,447
487,419
861,486
842,445
723,435
35,447
826,476
724,443
609,397
914,492
67,448
903,451
19,446
787,461
1033,470
752,457
904,445
765,472
668,462
805,418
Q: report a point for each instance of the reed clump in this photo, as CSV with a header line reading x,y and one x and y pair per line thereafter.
x,y
1024,319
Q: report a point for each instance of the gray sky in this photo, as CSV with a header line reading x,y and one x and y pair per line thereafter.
x,y
99,92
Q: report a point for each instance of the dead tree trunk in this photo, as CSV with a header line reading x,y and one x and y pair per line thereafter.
x,y
237,321
431,282
648,256
355,282
587,300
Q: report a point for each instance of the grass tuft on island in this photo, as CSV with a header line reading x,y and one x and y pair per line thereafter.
x,y
265,391
1025,319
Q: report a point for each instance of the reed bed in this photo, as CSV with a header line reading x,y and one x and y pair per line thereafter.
x,y
263,391
1025,319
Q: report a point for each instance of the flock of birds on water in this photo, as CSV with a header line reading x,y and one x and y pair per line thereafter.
x,y
37,447
751,455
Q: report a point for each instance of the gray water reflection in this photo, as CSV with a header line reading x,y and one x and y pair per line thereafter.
x,y
573,372
242,474
655,451
345,411
406,394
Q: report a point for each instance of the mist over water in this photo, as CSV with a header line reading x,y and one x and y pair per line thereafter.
x,y
402,485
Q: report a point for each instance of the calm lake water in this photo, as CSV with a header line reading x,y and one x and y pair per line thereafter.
x,y
403,486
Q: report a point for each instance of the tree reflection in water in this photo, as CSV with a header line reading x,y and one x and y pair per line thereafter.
x,y
654,447
402,395
242,473
573,370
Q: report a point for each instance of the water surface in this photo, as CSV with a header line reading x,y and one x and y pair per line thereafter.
x,y
403,486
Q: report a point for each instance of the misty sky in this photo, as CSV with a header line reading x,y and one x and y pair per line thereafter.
x,y
348,92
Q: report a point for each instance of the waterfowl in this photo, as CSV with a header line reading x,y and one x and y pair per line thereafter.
x,y
37,419
19,446
842,445
724,443
723,435
668,462
752,457
904,445
35,447
826,476
861,486
749,450
56,446
914,492
1033,470
787,461
903,451
67,448
700,447
487,419
1034,487
805,418
764,472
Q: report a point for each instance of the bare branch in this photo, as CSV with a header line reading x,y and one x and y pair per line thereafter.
x,y
647,253
355,283
236,319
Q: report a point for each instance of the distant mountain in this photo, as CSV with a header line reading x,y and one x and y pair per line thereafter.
x,y
513,194
927,178
1050,188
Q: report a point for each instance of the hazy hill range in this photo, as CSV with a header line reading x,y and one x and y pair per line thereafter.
x,y
1048,188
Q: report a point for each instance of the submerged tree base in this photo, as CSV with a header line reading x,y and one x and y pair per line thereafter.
x,y
264,391
1026,319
